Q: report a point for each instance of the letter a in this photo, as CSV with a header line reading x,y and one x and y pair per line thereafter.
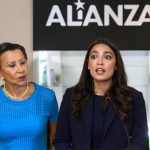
x,y
52,19
88,19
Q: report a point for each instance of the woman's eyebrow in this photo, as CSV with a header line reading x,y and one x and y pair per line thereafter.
x,y
108,52
94,51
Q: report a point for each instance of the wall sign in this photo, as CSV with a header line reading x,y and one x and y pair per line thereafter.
x,y
74,24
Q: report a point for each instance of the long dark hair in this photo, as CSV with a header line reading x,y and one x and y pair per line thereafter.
x,y
119,91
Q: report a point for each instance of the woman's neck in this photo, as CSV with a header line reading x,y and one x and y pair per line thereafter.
x,y
101,88
16,92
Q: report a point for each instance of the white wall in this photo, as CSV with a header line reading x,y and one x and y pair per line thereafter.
x,y
16,25
137,68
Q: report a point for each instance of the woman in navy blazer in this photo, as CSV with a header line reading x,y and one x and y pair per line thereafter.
x,y
101,112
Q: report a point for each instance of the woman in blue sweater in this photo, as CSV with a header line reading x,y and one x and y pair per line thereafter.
x,y
101,112
28,111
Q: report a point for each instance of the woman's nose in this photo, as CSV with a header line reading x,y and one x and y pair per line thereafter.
x,y
19,68
100,61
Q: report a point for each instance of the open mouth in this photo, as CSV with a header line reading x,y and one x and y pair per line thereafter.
x,y
100,70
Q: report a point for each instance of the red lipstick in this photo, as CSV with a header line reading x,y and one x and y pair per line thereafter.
x,y
22,78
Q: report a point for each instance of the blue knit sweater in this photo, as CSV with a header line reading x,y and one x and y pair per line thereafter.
x,y
23,124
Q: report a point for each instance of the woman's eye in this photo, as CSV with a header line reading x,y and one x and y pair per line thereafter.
x,y
93,56
23,62
107,57
11,65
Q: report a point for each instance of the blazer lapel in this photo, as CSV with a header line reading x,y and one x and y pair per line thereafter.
x,y
88,118
110,116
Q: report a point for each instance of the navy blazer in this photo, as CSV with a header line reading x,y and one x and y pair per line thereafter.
x,y
73,134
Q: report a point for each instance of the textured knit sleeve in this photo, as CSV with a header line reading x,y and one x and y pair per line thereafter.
x,y
53,107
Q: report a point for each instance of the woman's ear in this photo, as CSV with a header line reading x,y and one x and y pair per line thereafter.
x,y
1,76
88,66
